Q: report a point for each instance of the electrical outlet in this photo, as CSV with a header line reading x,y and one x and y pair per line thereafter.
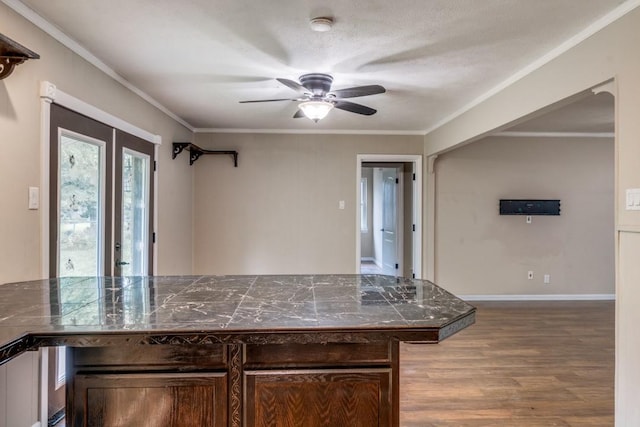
x,y
547,279
530,275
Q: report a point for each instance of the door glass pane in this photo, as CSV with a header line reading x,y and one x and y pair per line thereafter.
x,y
135,213
80,219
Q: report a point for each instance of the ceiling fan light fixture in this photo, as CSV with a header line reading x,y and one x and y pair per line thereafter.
x,y
316,110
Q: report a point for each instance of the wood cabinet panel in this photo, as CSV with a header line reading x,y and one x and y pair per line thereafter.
x,y
312,355
166,400
319,398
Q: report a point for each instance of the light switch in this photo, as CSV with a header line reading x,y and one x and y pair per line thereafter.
x,y
633,199
341,204
34,198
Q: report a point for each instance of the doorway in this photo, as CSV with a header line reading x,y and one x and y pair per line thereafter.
x,y
389,194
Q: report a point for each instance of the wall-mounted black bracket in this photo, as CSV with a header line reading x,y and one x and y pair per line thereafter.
x,y
12,53
195,152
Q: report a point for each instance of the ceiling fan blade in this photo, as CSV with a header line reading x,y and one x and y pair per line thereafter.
x,y
293,85
354,108
354,92
270,100
298,114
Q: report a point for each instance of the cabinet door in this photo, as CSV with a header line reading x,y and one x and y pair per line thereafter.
x,y
154,399
318,398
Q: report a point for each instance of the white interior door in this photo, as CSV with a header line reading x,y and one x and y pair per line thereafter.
x,y
389,221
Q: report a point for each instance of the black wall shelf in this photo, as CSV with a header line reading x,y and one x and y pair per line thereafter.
x,y
12,53
195,152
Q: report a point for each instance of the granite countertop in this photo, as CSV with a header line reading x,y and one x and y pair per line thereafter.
x,y
214,309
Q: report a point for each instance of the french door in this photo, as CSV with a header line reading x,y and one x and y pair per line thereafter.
x,y
101,197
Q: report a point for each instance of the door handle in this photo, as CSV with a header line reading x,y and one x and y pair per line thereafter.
x,y
121,263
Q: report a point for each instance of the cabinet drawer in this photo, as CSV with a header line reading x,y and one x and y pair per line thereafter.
x,y
151,357
315,355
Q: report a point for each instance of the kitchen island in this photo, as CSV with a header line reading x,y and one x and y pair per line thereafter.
x,y
235,351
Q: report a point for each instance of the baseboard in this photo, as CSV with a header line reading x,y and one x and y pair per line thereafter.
x,y
367,259
548,297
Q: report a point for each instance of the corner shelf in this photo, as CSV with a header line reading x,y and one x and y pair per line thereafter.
x,y
12,53
195,152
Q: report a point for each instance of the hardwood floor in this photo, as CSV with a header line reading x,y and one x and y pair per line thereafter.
x,y
522,364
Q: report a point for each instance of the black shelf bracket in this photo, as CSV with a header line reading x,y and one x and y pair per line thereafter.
x,y
12,54
195,152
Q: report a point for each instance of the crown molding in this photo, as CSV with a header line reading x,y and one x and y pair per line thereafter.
x,y
516,134
310,131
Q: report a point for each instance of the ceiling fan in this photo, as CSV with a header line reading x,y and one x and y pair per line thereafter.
x,y
317,99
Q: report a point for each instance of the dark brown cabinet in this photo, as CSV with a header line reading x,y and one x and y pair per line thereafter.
x,y
270,385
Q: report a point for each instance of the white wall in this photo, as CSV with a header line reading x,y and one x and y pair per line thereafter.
x,y
278,211
480,252
18,395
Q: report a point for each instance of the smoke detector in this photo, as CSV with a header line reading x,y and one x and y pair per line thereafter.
x,y
321,24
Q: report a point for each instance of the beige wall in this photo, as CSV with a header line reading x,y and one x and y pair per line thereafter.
x,y
20,147
20,235
278,211
612,53
480,252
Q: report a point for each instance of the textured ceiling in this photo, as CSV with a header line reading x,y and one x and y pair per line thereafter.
x,y
199,58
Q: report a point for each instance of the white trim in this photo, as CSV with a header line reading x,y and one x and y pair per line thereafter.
x,y
29,14
416,159
148,183
575,40
45,128
628,228
516,134
311,131
545,297
368,259
102,147
59,97
61,367
44,385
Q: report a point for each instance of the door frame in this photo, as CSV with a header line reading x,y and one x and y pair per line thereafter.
x,y
49,94
416,160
